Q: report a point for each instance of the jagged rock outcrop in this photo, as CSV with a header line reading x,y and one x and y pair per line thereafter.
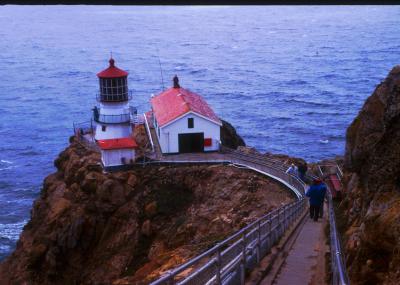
x,y
90,227
372,180
229,136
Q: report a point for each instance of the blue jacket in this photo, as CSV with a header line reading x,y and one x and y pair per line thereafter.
x,y
316,194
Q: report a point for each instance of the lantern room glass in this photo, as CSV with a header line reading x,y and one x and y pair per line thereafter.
x,y
113,89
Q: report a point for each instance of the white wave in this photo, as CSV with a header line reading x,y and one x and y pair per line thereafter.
x,y
324,141
12,231
6,161
7,168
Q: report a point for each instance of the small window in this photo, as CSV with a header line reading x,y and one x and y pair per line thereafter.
x,y
103,128
190,123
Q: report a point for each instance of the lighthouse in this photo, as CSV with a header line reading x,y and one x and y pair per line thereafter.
x,y
113,117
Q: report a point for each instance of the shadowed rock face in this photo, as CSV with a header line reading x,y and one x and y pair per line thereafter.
x,y
229,136
372,179
90,227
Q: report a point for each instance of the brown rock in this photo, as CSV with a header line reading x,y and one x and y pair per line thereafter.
x,y
146,228
87,228
91,181
37,255
132,180
111,191
372,171
151,209
229,136
58,207
156,250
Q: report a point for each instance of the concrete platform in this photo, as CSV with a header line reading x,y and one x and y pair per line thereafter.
x,y
305,263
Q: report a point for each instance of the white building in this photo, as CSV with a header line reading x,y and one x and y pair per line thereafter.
x,y
113,118
184,122
116,152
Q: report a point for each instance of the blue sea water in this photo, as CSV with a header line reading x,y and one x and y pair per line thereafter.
x,y
290,79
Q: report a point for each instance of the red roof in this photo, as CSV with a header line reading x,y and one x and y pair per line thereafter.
x,y
119,143
176,102
112,71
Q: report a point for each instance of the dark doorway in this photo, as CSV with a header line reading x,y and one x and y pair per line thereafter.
x,y
191,142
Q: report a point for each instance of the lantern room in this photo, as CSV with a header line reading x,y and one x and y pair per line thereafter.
x,y
113,84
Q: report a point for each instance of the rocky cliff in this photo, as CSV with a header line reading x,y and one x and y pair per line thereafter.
x,y
90,227
229,136
372,180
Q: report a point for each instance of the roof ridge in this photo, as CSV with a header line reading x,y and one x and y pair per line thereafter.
x,y
184,98
181,101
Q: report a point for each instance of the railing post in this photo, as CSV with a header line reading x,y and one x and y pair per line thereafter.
x,y
283,218
279,222
243,271
269,233
170,280
258,241
218,275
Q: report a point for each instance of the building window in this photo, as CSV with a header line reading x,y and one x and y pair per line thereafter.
x,y
103,128
190,123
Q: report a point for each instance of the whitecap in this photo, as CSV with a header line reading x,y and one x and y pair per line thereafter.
x,y
6,168
324,141
12,231
6,161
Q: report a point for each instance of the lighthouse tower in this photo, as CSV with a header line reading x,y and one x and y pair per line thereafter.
x,y
113,117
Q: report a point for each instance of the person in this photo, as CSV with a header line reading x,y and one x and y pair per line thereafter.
x,y
292,170
316,193
302,171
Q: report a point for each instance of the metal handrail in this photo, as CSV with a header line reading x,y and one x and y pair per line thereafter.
x,y
275,170
148,132
258,157
339,272
251,242
264,238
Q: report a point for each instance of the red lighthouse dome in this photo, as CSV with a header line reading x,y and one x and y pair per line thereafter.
x,y
112,71
113,84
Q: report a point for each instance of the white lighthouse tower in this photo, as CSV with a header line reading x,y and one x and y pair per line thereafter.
x,y
113,117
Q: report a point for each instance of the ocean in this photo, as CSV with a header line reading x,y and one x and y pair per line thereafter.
x,y
289,78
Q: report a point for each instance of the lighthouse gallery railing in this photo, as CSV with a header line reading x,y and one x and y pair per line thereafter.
x,y
228,261
112,119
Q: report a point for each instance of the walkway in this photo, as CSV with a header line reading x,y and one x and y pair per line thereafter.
x,y
305,263
304,259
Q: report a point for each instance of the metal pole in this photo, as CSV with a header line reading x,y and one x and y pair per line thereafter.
x,y
279,222
258,241
170,279
218,276
284,218
242,275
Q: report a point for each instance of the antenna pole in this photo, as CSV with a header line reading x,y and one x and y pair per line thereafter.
x,y
159,63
